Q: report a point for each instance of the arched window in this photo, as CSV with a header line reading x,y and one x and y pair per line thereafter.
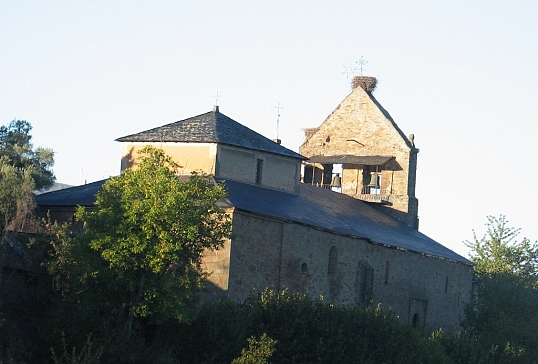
x,y
333,260
304,268
416,320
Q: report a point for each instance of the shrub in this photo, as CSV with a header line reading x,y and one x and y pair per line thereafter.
x,y
307,331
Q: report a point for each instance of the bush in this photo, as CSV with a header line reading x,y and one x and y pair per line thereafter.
x,y
258,351
306,331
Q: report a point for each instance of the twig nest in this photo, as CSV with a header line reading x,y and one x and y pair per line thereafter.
x,y
367,83
308,132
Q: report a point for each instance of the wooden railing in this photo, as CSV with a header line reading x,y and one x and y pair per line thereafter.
x,y
367,193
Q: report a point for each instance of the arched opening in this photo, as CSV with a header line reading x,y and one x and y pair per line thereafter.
x,y
416,320
304,268
333,260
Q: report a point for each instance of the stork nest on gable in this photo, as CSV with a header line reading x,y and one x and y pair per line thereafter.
x,y
367,83
308,132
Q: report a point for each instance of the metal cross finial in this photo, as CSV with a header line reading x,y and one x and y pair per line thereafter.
x,y
350,71
278,108
217,99
362,62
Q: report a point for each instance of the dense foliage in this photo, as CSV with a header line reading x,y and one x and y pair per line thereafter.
x,y
305,331
22,170
503,317
17,150
498,253
151,229
16,197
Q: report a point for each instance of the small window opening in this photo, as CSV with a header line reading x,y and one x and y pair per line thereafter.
x,y
446,285
259,171
387,272
333,260
304,268
416,320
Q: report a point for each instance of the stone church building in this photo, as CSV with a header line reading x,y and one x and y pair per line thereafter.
x,y
338,220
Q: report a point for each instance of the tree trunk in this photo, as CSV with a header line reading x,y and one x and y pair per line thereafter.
x,y
137,298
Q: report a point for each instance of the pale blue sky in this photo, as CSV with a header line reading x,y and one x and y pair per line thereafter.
x,y
460,75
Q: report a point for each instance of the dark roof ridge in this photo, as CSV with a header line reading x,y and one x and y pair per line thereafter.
x,y
211,127
389,118
128,137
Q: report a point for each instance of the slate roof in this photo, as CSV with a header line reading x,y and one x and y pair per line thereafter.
x,y
313,206
325,209
73,196
211,127
365,160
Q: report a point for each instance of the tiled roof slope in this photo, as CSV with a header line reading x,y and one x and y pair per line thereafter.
x,y
321,208
313,206
211,127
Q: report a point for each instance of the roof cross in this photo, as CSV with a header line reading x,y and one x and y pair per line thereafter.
x,y
351,70
362,62
278,108
217,99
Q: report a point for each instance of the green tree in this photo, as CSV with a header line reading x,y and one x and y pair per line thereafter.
x,y
499,253
16,146
503,316
16,207
16,204
16,196
151,230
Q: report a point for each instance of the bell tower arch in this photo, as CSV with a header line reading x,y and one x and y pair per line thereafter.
x,y
360,143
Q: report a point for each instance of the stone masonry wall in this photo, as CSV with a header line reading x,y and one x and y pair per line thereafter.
x,y
254,256
444,285
223,161
359,117
268,253
216,263
240,164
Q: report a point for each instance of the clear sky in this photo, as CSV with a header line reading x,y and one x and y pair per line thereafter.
x,y
460,75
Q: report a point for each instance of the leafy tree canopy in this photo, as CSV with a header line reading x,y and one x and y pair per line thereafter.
x,y
151,230
17,149
499,253
16,196
504,312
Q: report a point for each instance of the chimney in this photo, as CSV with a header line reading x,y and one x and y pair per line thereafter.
x,y
216,108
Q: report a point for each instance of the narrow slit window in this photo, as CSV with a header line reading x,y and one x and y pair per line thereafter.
x,y
333,260
259,171
387,271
